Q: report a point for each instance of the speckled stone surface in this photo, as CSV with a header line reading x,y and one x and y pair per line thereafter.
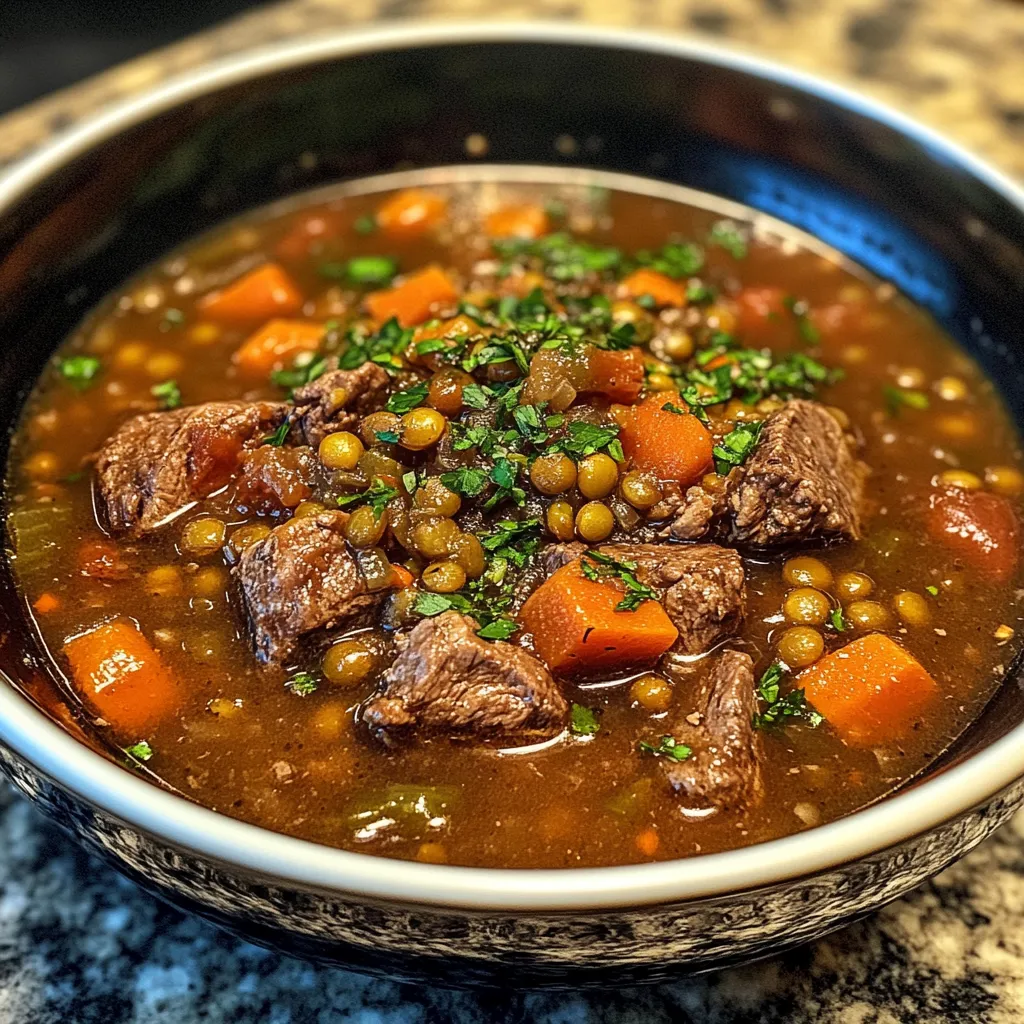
x,y
78,943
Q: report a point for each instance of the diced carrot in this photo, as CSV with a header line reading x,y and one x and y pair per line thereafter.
x,y
647,842
978,527
527,221
101,560
758,307
672,445
116,671
275,344
870,691
46,603
261,294
618,375
451,328
662,289
400,577
411,212
576,628
414,300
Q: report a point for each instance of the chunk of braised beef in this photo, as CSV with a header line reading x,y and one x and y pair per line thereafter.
x,y
802,483
275,478
724,770
299,579
445,679
158,464
337,400
694,513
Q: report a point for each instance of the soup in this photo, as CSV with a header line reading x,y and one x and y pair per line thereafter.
x,y
517,525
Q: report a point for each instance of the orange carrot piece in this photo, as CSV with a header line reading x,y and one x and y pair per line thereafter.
x,y
261,294
647,842
46,603
411,213
662,289
452,328
576,628
118,673
413,300
275,344
526,221
672,445
401,577
618,375
308,235
870,691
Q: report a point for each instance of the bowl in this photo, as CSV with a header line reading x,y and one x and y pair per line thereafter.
x,y
81,214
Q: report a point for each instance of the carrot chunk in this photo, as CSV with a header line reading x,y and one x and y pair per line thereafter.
x,y
455,327
871,691
412,301
261,294
275,344
618,375
659,287
118,673
411,213
46,603
672,445
527,221
576,628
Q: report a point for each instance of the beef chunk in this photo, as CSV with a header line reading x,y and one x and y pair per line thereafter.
x,y
802,482
724,771
554,556
299,579
694,513
703,584
446,679
157,464
337,399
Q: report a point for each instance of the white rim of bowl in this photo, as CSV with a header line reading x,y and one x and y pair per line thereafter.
x,y
26,730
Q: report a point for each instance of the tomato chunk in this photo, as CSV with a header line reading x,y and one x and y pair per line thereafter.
x,y
619,375
978,527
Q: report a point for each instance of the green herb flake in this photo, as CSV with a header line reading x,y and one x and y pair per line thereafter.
x,y
585,439
141,751
79,371
934,591
306,368
583,721
366,270
475,397
736,446
377,496
809,333
279,436
365,225
431,604
793,705
409,481
839,624
674,409
728,236
168,393
302,684
675,259
500,629
387,436
667,746
408,399
899,398
597,566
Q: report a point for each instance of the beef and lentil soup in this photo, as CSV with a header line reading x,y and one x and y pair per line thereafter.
x,y
517,525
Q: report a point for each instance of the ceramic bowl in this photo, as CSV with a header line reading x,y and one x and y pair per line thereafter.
x,y
91,207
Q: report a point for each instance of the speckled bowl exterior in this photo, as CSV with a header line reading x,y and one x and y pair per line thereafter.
x,y
98,203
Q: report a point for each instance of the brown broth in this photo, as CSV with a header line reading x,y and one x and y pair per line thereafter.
x,y
298,764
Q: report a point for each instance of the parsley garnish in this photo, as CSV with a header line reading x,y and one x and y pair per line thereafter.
x,y
475,397
365,225
302,684
361,270
466,481
736,446
499,629
585,439
503,474
673,408
511,541
141,751
168,393
408,399
279,436
808,332
792,705
606,567
79,371
728,236
838,622
377,495
382,348
583,721
897,398
934,591
667,746
562,257
676,259
307,367
387,436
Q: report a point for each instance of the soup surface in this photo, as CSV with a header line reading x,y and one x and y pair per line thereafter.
x,y
517,525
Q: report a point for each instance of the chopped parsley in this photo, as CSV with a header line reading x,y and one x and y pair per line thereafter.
x,y
498,629
793,705
307,367
934,591
673,408
583,721
408,399
675,259
387,436
302,684
736,446
369,270
809,333
503,474
598,566
475,397
562,257
897,398
168,393
467,481
511,540
583,439
141,751
79,371
838,622
728,236
496,626
366,224
377,496
667,746
279,436
382,347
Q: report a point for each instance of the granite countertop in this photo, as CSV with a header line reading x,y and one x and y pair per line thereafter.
x,y
79,943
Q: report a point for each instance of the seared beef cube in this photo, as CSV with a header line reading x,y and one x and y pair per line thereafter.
x,y
802,483
554,556
338,399
694,513
447,679
724,771
299,579
158,464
